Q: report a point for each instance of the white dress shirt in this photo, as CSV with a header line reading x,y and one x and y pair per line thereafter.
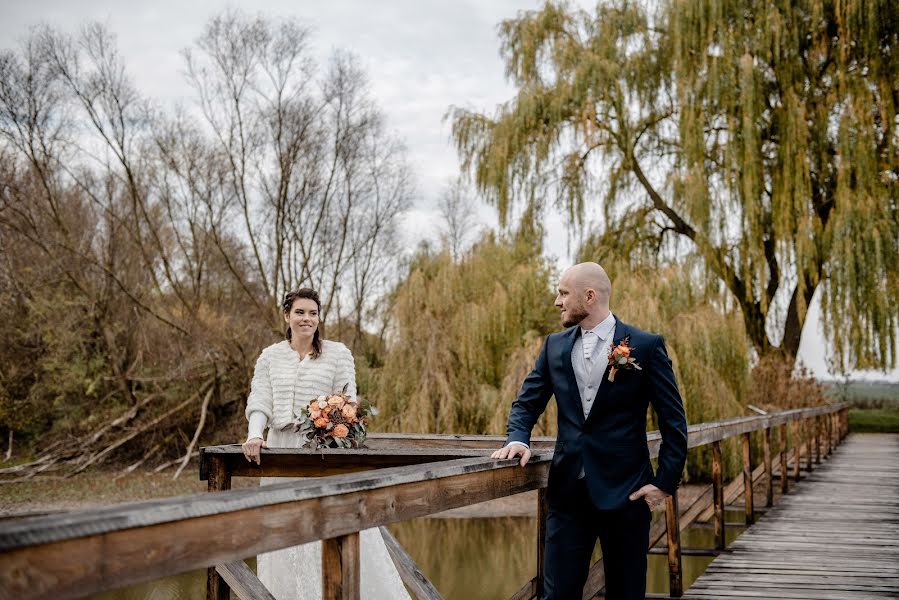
x,y
597,357
605,333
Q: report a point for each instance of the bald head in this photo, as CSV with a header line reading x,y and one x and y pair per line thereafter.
x,y
584,293
589,275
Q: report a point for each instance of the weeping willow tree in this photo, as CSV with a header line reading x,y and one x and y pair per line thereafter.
x,y
760,138
463,336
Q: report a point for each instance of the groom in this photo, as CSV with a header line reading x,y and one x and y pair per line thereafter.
x,y
601,483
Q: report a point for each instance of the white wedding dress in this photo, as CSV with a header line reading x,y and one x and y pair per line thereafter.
x,y
295,573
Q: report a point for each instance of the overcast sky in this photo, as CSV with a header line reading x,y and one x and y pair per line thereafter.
x,y
422,56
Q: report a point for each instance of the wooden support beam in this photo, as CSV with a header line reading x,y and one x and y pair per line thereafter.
x,y
687,551
243,581
769,470
747,478
817,426
410,572
218,480
796,443
718,491
411,441
675,572
831,433
340,567
305,462
784,472
733,490
809,434
542,511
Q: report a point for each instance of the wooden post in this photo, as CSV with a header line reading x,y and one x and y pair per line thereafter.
x,y
836,429
542,509
718,495
747,478
817,426
837,438
796,443
340,567
828,423
808,444
218,479
769,469
672,523
784,471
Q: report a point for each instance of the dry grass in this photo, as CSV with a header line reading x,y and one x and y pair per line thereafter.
x,y
40,495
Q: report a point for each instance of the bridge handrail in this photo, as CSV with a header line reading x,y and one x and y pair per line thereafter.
x,y
89,551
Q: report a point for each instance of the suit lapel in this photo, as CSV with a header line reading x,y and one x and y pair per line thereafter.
x,y
622,330
569,370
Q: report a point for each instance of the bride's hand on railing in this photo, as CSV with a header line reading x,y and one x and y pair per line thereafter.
x,y
251,449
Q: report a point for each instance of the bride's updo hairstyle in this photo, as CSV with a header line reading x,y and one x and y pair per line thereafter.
x,y
287,304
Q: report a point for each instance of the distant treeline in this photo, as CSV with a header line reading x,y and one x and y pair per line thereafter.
x,y
864,394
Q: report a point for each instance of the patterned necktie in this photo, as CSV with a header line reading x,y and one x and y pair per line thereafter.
x,y
590,341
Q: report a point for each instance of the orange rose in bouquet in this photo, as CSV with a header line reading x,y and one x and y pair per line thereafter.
x,y
333,421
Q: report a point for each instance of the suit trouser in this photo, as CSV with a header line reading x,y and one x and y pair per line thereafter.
x,y
572,528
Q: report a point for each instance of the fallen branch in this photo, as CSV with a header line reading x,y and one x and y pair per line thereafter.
x,y
200,425
168,464
121,441
131,468
48,455
121,420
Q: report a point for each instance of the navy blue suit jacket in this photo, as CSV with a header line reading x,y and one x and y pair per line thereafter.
x,y
610,444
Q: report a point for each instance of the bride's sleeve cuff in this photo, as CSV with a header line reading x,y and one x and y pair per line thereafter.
x,y
258,421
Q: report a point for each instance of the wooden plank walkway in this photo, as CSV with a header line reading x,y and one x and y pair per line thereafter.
x,y
834,537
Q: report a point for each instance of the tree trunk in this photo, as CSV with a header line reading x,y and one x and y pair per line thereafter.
x,y
794,324
754,321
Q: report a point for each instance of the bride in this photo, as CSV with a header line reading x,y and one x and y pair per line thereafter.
x,y
296,370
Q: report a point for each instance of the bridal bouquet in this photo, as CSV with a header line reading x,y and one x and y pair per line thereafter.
x,y
335,421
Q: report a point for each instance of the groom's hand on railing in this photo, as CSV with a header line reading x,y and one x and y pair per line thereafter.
x,y
251,449
512,450
654,496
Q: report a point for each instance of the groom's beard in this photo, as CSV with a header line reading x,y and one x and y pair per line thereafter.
x,y
574,315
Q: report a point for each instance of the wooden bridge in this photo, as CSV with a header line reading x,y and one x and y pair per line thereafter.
x,y
836,538
400,477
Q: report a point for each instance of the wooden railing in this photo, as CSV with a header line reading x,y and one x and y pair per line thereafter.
x,y
399,477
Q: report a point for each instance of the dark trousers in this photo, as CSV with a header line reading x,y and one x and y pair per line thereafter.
x,y
573,525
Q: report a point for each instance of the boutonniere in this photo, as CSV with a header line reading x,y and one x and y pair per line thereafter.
x,y
620,358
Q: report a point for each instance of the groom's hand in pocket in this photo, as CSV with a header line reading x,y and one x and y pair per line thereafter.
x,y
513,450
653,496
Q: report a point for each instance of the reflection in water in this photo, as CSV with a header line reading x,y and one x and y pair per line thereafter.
x,y
472,558
465,559
475,559
179,587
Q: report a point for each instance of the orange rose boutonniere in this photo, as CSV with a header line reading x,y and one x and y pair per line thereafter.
x,y
620,358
